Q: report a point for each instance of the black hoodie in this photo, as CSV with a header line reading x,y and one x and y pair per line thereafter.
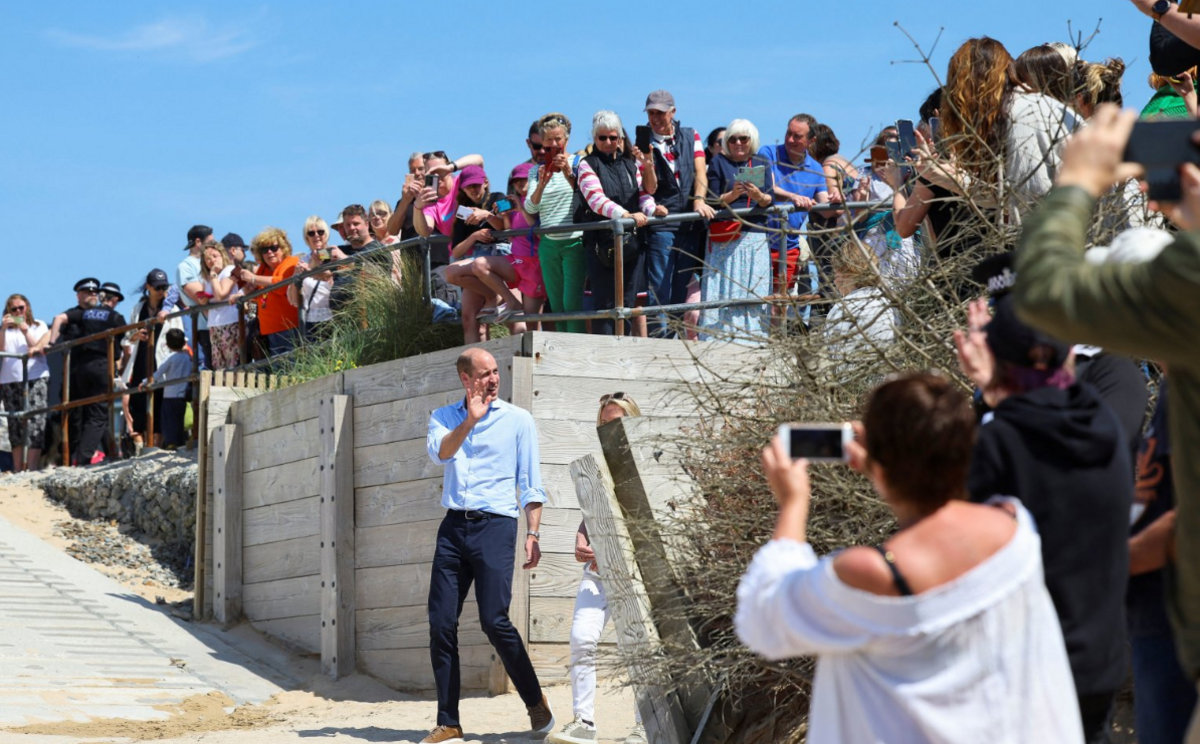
x,y
1064,455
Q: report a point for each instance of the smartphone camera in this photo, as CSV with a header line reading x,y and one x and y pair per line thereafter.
x,y
431,180
817,442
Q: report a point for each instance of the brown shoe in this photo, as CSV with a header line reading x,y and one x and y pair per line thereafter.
x,y
443,734
541,718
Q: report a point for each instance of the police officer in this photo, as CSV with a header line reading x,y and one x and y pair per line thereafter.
x,y
110,294
89,364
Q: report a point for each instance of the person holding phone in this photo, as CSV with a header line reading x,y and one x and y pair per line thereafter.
x,y
313,294
278,318
471,237
674,251
24,334
550,203
400,223
739,264
155,302
220,288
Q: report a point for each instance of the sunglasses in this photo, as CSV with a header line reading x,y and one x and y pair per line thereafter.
x,y
609,397
534,145
608,138
20,309
738,140
270,248
436,154
315,233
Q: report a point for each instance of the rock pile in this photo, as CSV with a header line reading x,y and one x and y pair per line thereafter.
x,y
104,544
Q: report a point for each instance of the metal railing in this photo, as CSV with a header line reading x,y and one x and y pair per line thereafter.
x,y
620,228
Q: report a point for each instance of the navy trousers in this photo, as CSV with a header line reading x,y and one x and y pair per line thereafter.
x,y
479,551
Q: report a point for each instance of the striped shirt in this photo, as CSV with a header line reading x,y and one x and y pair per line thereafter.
x,y
593,192
663,145
555,206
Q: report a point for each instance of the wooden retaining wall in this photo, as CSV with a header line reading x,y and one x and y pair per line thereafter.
x,y
285,557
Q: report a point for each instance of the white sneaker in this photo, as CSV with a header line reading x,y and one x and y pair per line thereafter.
x,y
575,732
637,735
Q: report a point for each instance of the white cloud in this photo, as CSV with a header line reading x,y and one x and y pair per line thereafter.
x,y
188,38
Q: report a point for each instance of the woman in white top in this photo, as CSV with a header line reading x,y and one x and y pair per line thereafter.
x,y
220,288
21,334
312,295
862,318
945,633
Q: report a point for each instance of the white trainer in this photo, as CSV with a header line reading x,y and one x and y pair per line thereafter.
x,y
575,732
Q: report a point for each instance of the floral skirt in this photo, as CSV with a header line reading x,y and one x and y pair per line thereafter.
x,y
737,269
10,394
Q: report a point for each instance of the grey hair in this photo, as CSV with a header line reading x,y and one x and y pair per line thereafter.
x,y
415,156
737,128
605,121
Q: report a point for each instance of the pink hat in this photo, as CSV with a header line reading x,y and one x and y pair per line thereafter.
x,y
472,175
521,171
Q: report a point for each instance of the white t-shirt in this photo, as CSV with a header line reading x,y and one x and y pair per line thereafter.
x,y
14,342
223,314
314,300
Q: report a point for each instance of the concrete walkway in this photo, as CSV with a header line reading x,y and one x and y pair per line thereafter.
x,y
76,645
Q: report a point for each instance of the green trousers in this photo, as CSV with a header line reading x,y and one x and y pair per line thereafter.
x,y
564,268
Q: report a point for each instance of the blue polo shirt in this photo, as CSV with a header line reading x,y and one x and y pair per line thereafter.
x,y
806,179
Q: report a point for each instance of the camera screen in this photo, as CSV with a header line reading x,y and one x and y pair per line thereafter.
x,y
811,443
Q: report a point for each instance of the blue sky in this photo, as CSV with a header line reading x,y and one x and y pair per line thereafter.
x,y
129,122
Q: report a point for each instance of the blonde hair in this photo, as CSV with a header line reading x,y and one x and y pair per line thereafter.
x,y
379,206
1100,82
856,262
740,128
1158,81
226,259
28,307
554,120
315,223
270,236
625,403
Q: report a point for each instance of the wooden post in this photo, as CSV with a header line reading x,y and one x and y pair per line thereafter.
x,y
335,421
227,521
203,453
637,635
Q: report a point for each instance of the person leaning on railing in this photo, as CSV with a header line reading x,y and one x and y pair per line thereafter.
x,y
435,211
550,202
220,288
278,318
155,302
313,296
22,334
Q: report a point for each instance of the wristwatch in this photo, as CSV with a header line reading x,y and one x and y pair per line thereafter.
x,y
534,533
1160,8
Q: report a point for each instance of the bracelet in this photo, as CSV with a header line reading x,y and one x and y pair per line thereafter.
x,y
453,166
534,534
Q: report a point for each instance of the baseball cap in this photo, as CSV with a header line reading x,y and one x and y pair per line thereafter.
x,y
198,232
660,100
112,289
89,284
158,278
336,221
233,240
471,176
521,171
1016,343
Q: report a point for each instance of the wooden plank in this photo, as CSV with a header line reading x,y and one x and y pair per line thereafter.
x,y
657,700
408,669
286,559
552,662
202,486
300,633
396,544
281,407
240,379
392,586
560,489
397,420
284,598
562,442
579,399
284,521
558,529
227,518
418,375
408,627
393,463
394,503
336,436
632,358
550,620
282,483
520,390
558,575
281,445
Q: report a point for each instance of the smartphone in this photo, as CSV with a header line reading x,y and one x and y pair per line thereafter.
x,y
908,136
1161,147
879,153
431,180
817,442
464,212
549,153
503,204
641,137
323,255
935,127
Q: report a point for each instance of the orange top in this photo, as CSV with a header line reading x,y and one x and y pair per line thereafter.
x,y
275,313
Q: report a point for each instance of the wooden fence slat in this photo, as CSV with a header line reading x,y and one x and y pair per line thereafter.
x,y
336,435
637,635
227,519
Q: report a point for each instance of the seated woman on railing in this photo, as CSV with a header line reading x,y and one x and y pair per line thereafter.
x,y
22,334
278,318
436,211
471,237
738,263
220,288
610,180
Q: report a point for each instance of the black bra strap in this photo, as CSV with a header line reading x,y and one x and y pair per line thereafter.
x,y
901,584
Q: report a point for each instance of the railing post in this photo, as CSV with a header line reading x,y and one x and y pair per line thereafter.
x,y
243,350
151,355
24,407
65,416
197,349
427,269
227,521
336,461
619,274
112,367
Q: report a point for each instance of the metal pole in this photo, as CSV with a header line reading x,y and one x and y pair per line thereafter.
x,y
243,352
25,406
619,273
65,416
112,368
427,268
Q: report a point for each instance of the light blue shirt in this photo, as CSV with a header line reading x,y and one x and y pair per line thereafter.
x,y
497,464
188,272
178,365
